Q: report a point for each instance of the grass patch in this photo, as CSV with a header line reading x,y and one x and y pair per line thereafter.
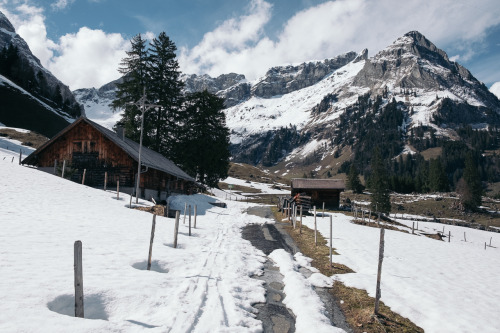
x,y
356,304
31,139
239,188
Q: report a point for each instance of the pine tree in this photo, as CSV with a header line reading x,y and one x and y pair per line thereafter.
x,y
205,138
438,181
134,70
164,73
353,182
469,188
379,184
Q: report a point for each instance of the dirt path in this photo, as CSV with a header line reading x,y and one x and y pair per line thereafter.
x,y
275,316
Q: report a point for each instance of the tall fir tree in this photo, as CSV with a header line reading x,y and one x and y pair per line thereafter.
x,y
379,184
470,188
353,182
166,91
136,80
205,139
438,181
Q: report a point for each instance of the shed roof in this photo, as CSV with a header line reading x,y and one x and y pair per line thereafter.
x,y
149,157
317,184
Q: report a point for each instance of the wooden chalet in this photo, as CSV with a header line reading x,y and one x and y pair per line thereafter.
x,y
86,145
320,190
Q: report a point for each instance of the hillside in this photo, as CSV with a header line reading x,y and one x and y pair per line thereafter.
x,y
33,98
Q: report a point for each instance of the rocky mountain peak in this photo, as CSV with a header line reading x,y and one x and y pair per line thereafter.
x,y
5,23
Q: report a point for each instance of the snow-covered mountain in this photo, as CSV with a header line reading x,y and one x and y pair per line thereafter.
x,y
294,111
34,98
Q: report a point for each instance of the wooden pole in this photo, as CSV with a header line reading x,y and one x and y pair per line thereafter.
x,y
130,203
64,167
449,236
189,220
413,228
83,178
78,279
323,210
490,241
485,245
55,166
195,214
105,181
379,271
117,189
176,227
300,230
315,228
331,227
185,208
465,237
370,216
20,156
151,242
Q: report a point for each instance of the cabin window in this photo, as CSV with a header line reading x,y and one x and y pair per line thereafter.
x,y
93,147
77,146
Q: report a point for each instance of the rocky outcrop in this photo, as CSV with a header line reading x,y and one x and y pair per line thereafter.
x,y
286,79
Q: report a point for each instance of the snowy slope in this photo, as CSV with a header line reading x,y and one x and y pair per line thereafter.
x,y
204,285
442,287
8,83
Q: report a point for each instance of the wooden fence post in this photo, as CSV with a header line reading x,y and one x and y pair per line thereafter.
x,y
315,229
195,214
151,242
379,271
20,156
78,279
189,220
176,227
413,228
185,208
64,167
331,226
465,237
300,230
105,181
130,203
83,178
323,210
449,236
55,167
118,189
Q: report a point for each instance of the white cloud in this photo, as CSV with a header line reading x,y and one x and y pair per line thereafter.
x,y
61,4
495,89
88,58
335,27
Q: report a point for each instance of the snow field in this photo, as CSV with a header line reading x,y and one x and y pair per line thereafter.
x,y
202,286
440,286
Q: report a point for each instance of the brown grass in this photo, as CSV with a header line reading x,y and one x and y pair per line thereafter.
x,y
356,305
31,139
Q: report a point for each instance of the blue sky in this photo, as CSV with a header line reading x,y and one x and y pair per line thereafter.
x,y
82,41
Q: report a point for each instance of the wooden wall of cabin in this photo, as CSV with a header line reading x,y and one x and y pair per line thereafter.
x,y
83,147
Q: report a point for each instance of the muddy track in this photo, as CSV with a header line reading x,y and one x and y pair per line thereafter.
x,y
275,316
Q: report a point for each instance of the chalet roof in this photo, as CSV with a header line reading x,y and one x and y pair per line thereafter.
x,y
149,158
317,184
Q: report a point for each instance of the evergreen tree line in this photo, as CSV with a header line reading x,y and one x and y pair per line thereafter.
x,y
20,71
189,129
368,127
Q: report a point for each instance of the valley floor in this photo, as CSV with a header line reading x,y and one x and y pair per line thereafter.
x,y
206,284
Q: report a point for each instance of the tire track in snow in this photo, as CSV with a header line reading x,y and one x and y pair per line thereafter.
x,y
206,288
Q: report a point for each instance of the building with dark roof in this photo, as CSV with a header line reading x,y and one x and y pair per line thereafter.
x,y
320,190
86,145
